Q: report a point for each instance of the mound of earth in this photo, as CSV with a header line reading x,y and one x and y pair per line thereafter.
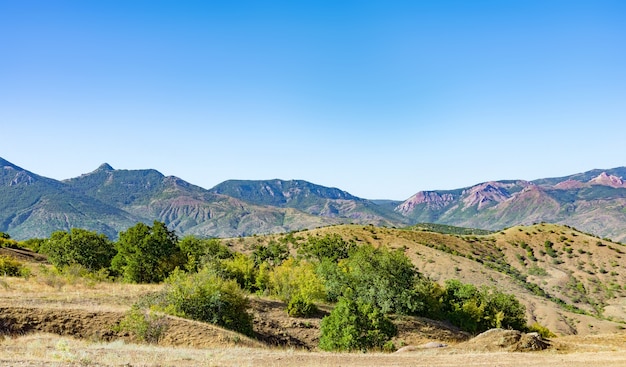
x,y
101,326
23,254
506,340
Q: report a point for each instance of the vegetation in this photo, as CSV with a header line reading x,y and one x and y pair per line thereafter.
x,y
366,276
147,254
79,247
447,229
204,296
355,325
10,267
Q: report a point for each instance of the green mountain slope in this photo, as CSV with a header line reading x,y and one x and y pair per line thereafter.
x,y
310,198
35,206
190,209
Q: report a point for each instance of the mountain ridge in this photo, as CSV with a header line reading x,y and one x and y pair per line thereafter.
x,y
109,200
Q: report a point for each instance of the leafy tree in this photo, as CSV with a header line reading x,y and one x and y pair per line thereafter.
x,y
331,247
296,283
273,254
79,246
378,276
355,325
147,254
478,309
4,236
200,251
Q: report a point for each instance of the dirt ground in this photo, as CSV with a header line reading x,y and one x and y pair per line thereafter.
x,y
52,350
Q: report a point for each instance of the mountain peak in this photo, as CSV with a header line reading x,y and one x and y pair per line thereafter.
x,y
607,180
105,167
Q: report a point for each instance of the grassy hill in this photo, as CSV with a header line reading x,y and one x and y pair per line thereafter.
x,y
573,286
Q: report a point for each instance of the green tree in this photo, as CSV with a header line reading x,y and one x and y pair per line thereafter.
x,y
201,251
79,246
147,254
478,309
273,254
331,247
379,276
355,325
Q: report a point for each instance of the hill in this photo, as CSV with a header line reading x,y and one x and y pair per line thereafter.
x,y
556,271
570,281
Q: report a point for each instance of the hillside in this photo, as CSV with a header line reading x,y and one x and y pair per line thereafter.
x,y
35,206
574,286
569,281
310,198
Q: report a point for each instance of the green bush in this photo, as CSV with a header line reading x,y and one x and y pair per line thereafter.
x,y
145,326
295,279
273,254
478,309
204,296
355,325
542,330
299,306
12,268
240,268
331,247
201,251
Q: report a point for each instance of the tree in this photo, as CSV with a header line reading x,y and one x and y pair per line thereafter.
x,y
200,251
378,276
478,309
331,247
355,325
79,246
273,254
147,254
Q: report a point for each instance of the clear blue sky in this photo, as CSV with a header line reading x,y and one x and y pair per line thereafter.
x,y
379,98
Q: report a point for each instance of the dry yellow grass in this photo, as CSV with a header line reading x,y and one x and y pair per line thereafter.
x,y
46,350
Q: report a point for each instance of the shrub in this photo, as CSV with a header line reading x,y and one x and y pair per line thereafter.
x,y
146,326
478,309
273,254
12,268
206,297
331,247
241,268
299,306
542,330
295,278
355,325
200,251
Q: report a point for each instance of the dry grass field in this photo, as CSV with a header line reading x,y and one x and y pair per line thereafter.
x,y
63,320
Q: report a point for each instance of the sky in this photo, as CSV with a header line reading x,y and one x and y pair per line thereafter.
x,y
379,98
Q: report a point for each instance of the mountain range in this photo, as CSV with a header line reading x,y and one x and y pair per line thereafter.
x,y
109,201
